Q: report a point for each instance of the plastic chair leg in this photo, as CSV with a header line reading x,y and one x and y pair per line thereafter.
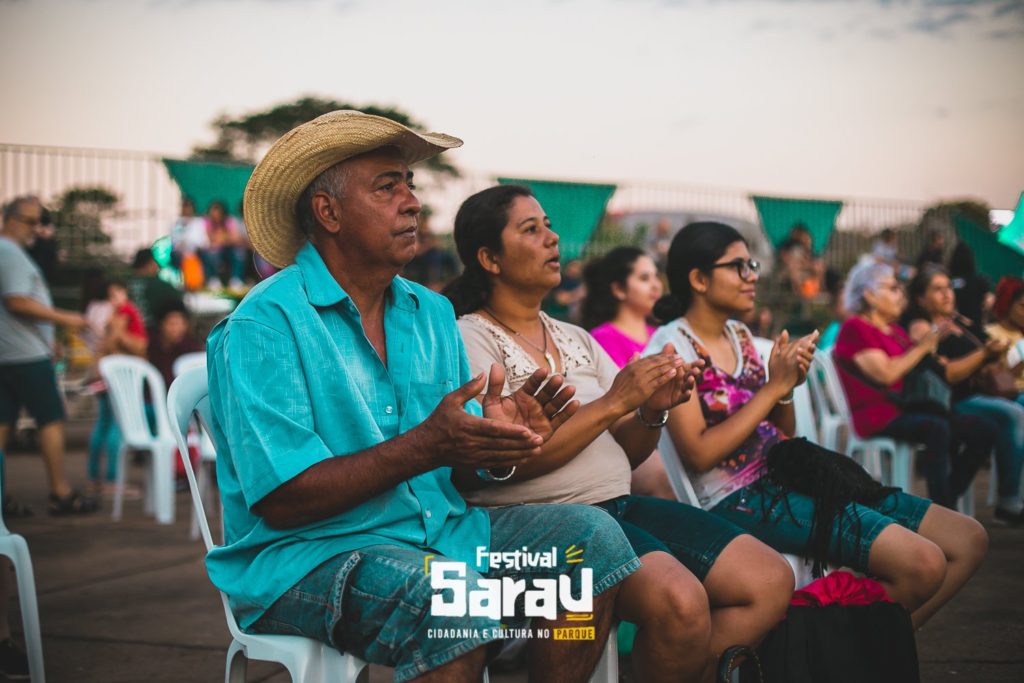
x,y
902,467
607,670
235,667
118,506
15,547
148,504
162,478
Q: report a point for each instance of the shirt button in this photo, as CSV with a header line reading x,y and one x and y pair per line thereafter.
x,y
388,410
427,514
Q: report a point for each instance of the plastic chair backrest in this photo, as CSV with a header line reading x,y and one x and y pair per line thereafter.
x,y
126,378
190,393
816,382
187,361
802,402
835,395
676,471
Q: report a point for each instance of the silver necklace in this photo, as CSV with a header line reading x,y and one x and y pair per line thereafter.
x,y
544,331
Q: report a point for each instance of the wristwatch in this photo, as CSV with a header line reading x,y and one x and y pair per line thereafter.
x,y
500,474
652,425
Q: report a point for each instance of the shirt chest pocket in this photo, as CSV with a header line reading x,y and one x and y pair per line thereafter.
x,y
424,397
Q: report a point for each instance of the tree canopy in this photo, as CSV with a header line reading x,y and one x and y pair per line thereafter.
x,y
79,213
242,139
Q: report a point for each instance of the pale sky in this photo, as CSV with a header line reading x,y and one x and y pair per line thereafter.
x,y
919,99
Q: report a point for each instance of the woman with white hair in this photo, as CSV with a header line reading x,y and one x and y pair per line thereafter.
x,y
874,356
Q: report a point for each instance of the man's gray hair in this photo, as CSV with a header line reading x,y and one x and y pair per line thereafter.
x,y
12,207
331,182
864,277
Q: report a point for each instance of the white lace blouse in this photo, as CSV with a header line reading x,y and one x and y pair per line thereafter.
x,y
600,471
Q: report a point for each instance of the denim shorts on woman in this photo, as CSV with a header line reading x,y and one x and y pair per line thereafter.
x,y
375,602
694,537
787,528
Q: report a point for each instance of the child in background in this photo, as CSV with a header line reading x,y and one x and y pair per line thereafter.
x,y
125,333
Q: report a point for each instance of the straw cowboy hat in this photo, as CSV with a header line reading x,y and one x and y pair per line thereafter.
x,y
305,152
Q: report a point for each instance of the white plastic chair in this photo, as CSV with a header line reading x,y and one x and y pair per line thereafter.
x,y
14,546
126,377
199,438
307,660
187,361
867,451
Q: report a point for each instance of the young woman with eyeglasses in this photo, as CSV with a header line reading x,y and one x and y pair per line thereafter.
x,y
725,435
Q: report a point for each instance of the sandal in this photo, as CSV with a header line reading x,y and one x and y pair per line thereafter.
x,y
73,504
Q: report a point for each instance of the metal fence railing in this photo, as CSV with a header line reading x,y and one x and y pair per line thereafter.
x,y
148,201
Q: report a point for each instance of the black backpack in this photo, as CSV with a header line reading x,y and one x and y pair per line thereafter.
x,y
840,644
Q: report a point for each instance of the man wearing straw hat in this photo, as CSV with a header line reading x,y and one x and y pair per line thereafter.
x,y
342,406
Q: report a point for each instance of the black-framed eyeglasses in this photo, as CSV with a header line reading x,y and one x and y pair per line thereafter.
x,y
30,221
744,268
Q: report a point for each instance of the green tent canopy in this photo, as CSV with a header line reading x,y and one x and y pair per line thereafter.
x,y
205,181
1012,234
992,257
779,215
575,209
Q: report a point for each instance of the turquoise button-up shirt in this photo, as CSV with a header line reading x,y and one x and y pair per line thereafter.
x,y
294,381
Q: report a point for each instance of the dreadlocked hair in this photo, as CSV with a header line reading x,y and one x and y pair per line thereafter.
x,y
833,481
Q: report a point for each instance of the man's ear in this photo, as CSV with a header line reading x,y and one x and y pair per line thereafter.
x,y
326,212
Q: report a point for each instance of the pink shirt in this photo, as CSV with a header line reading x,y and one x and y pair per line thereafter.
x,y
871,405
620,347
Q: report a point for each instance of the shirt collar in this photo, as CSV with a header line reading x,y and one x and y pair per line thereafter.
x,y
324,291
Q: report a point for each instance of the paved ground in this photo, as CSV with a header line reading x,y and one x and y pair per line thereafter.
x,y
130,601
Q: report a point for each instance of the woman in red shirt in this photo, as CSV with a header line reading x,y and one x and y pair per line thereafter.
x,y
873,356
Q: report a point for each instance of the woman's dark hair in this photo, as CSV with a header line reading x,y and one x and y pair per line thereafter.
x,y
600,304
479,223
698,245
961,261
169,308
916,288
94,286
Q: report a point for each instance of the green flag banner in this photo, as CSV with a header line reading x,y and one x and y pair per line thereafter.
x,y
992,257
779,215
206,181
1012,234
575,209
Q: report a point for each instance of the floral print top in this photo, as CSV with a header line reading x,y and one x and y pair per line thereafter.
x,y
721,395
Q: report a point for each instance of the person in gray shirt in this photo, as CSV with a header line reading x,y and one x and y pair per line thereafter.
x,y
27,378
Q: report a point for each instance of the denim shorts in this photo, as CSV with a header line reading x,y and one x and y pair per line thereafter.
x,y
375,602
694,537
32,385
788,530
